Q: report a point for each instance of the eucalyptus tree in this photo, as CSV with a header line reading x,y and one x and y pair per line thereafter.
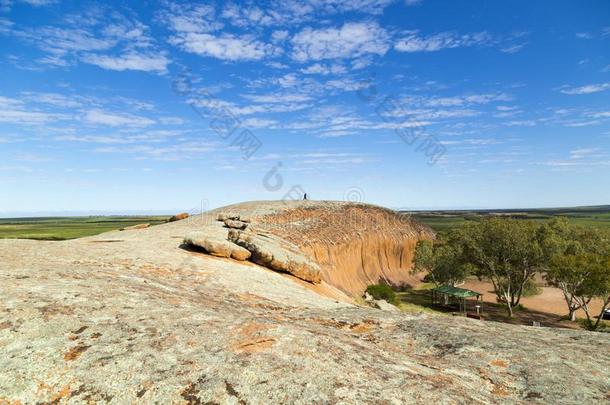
x,y
577,253
508,252
443,260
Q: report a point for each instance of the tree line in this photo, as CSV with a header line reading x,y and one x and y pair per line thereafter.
x,y
511,252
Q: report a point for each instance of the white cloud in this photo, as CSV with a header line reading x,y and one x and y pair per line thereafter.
x,y
5,5
6,102
14,111
198,18
52,60
53,99
513,48
277,98
225,47
322,69
171,121
584,35
577,124
288,80
29,117
101,117
5,26
359,6
101,139
130,61
291,12
361,63
243,16
194,31
38,3
483,98
152,136
583,153
588,89
352,40
271,107
506,108
522,123
471,141
279,35
444,40
346,84
259,123
60,41
90,36
601,114
277,65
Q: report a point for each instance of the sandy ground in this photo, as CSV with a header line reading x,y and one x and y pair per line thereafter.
x,y
550,301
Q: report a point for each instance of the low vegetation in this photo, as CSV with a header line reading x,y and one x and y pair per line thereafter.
x,y
382,292
511,252
445,221
63,228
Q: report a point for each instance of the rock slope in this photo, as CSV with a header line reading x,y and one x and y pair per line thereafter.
x,y
240,241
354,245
134,317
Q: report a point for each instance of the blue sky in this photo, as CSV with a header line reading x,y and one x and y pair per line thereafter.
x,y
156,106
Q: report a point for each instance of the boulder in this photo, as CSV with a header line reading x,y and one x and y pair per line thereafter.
x,y
217,246
223,216
179,217
132,227
277,255
385,306
235,224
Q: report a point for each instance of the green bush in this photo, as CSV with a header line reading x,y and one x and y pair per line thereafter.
x,y
382,292
531,289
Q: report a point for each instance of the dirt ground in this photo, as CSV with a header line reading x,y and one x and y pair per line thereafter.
x,y
546,308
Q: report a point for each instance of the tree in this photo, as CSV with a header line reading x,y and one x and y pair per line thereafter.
x,y
598,286
508,252
442,260
571,273
575,255
423,260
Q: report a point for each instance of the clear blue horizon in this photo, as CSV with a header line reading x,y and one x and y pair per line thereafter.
x,y
156,106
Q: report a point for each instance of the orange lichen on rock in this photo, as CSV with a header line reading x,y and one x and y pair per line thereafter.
x,y
75,352
251,338
499,363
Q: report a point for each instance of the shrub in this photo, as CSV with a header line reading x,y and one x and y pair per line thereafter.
x,y
531,288
382,292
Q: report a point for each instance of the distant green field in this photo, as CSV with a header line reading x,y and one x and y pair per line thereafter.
x,y
443,221
62,228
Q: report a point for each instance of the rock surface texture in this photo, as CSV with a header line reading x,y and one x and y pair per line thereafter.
x,y
217,246
352,245
277,254
134,317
